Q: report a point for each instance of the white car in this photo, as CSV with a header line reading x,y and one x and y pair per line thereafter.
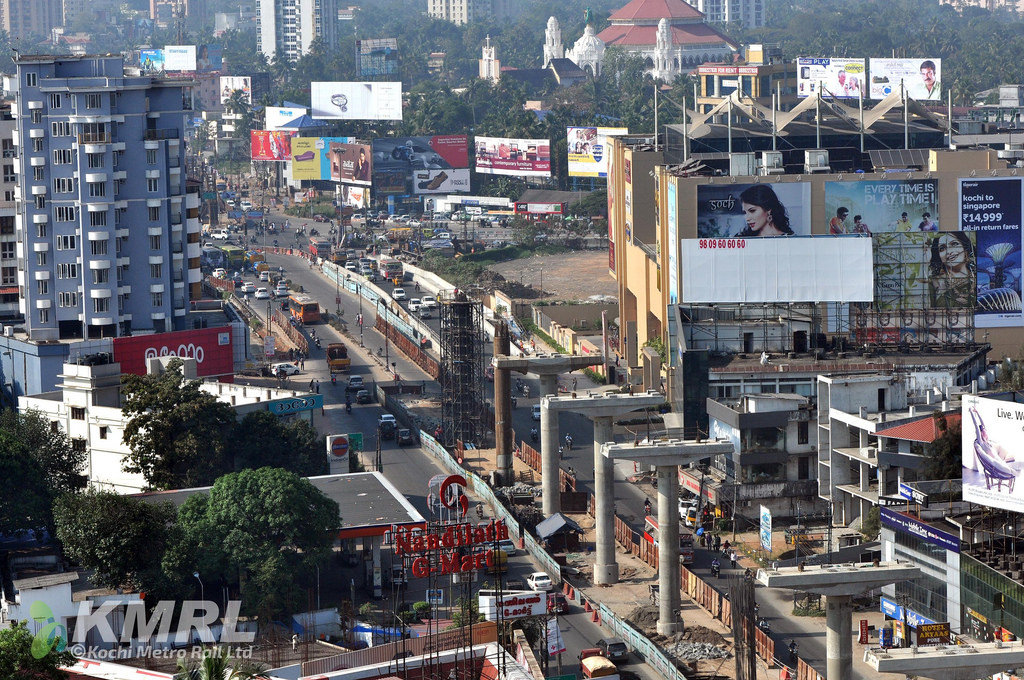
x,y
539,581
414,304
285,367
248,287
535,415
387,418
221,235
351,266
220,273
443,235
262,294
265,275
246,205
281,290
398,293
509,546
428,302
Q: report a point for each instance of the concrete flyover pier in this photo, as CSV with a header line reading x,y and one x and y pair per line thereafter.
x,y
667,455
838,583
948,662
548,367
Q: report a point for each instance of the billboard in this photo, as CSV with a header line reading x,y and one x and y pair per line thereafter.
x,y
588,150
311,156
839,77
812,269
180,57
922,78
378,57
745,210
991,436
871,207
230,84
505,156
151,61
279,116
513,605
924,271
355,197
210,347
350,163
209,58
428,165
269,145
673,236
991,208
356,101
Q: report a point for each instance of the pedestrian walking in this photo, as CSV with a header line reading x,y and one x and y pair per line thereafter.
x,y
574,384
732,558
310,385
302,364
718,543
318,387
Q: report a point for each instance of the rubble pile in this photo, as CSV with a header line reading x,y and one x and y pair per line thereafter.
x,y
696,651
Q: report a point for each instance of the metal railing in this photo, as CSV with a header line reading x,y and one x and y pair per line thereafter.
x,y
161,133
94,138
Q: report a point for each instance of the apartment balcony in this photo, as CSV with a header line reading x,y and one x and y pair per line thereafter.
x,y
94,138
161,134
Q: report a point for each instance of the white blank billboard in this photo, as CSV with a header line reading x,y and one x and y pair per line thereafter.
x,y
356,101
180,58
785,269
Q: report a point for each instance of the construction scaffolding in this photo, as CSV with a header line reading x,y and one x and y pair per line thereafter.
x,y
461,376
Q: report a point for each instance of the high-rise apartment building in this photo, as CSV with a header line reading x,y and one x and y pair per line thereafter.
x,y
9,308
467,11
746,13
289,27
23,19
107,228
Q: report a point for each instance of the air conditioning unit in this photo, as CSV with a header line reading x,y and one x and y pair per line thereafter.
x,y
872,453
816,160
771,163
742,164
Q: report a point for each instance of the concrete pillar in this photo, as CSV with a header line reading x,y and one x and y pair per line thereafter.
x,y
838,637
668,549
502,407
551,501
606,569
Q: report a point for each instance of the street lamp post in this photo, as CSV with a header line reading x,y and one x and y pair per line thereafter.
x,y
202,588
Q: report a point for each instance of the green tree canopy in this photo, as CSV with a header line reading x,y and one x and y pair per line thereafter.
x,y
218,664
944,455
261,439
19,661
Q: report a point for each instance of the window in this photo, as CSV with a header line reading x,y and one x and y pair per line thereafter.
x,y
40,201
63,185
67,299
93,101
55,100
9,196
97,189
43,287
30,80
9,175
37,173
60,128
7,225
37,116
7,250
100,305
41,259
97,219
103,431
151,156
153,184
154,213
67,242
64,213
44,315
67,270
98,247
156,270
77,413
95,160
100,275
40,231
8,275
62,157
802,431
154,243
158,299
37,145
78,445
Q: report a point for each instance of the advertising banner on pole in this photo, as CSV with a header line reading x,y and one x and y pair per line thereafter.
x,y
505,156
209,58
991,208
839,77
311,156
356,101
588,150
350,163
278,116
229,84
267,145
872,207
151,62
376,57
921,78
430,165
745,210
766,529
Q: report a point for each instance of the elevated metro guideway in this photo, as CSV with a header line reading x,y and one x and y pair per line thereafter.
x,y
948,662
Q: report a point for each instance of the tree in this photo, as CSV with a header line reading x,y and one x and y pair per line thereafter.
x,y
20,659
217,664
944,456
261,439
122,539
175,430
61,464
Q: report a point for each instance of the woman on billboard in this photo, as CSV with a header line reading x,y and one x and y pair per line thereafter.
x,y
763,212
952,270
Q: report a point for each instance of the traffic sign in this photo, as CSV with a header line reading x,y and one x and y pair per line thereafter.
x,y
435,595
355,441
339,446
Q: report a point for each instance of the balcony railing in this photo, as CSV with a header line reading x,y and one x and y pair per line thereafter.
x,y
94,138
162,133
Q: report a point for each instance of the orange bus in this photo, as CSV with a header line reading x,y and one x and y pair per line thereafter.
x,y
685,539
304,308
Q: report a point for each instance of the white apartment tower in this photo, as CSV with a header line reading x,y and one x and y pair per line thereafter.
x,y
288,28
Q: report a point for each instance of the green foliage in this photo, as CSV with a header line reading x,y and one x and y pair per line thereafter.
x,y
595,376
366,610
119,537
467,611
658,345
218,664
261,439
944,456
871,524
18,661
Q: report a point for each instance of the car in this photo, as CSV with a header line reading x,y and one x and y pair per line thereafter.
x,y
446,235
319,218
351,266
425,313
281,290
363,397
262,294
414,304
354,383
429,301
365,270
613,649
509,546
536,412
387,418
405,437
285,367
398,293
221,235
219,273
557,603
265,275
246,205
248,287
539,581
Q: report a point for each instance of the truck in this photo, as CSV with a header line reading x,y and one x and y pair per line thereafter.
x,y
337,357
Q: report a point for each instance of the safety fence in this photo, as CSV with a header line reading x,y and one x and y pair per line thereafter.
x,y
803,672
530,456
663,665
290,332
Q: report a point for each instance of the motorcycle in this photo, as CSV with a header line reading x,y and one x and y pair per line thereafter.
x,y
716,569
647,508
568,442
764,626
533,435
317,341
348,407
514,402
793,648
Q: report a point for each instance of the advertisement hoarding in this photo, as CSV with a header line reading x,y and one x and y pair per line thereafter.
x,y
377,57
209,58
745,210
766,529
588,150
151,61
991,208
920,271
514,605
180,57
311,156
354,197
922,78
673,239
839,77
356,101
279,116
991,447
523,208
230,84
878,206
427,164
210,347
269,145
350,163
911,525
505,156
759,270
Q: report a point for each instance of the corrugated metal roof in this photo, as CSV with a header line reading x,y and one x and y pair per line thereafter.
x,y
925,430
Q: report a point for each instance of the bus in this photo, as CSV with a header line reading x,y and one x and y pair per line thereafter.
x,y
234,256
304,308
686,553
319,246
337,357
391,270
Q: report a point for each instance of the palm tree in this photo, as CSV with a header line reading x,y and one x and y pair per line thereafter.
x,y
217,665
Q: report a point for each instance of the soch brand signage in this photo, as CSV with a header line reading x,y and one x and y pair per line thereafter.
x,y
437,552
210,347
